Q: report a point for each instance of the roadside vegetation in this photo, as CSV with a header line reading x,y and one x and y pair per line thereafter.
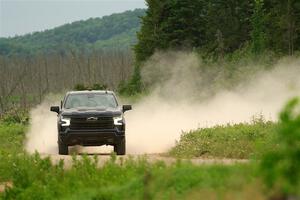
x,y
36,178
274,174
241,141
227,37
12,137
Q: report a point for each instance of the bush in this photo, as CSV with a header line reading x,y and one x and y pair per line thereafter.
x,y
133,86
226,141
15,116
96,86
12,136
79,87
280,168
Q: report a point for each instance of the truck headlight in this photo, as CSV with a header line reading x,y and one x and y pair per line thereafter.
x,y
118,120
65,121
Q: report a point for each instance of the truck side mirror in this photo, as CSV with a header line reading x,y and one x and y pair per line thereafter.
x,y
54,109
127,107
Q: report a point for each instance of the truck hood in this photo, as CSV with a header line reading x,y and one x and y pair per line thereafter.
x,y
85,112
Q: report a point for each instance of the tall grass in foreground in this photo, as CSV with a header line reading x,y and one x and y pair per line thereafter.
x,y
36,178
280,167
274,174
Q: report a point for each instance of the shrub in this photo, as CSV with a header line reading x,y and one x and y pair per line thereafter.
x,y
15,116
95,86
79,87
134,84
12,136
229,141
280,168
98,86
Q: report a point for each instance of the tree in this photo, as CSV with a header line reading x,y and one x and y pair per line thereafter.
x,y
114,31
283,25
258,32
212,26
150,35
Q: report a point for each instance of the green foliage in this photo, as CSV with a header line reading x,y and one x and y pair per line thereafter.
x,y
280,166
236,33
34,177
169,24
114,31
213,27
79,87
98,86
226,141
258,26
121,41
12,135
148,35
134,84
95,86
15,116
217,27
282,26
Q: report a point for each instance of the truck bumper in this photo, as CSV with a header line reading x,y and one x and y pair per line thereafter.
x,y
90,137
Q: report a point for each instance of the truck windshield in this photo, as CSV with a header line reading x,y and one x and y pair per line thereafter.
x,y
90,101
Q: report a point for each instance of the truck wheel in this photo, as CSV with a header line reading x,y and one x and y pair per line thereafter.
x,y
63,149
120,148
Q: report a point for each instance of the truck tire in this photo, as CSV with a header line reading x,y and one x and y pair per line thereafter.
x,y
63,149
120,148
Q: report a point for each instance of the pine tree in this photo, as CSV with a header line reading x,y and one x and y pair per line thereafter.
x,y
184,26
258,24
283,25
149,37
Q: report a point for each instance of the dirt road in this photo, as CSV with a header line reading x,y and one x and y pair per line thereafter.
x,y
152,158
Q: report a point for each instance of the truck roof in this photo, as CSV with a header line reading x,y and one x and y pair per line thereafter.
x,y
91,91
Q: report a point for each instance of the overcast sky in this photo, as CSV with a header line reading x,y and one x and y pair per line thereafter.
x,y
18,17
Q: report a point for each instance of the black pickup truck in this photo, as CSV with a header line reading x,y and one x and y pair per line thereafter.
x,y
91,118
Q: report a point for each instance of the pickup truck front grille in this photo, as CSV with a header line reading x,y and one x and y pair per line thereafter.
x,y
92,123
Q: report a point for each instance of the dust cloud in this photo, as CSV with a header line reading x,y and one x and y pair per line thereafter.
x,y
185,97
182,100
42,134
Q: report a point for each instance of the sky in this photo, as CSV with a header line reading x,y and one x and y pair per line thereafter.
x,y
18,17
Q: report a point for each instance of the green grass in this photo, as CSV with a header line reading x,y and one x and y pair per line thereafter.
x,y
11,142
12,136
242,141
36,178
